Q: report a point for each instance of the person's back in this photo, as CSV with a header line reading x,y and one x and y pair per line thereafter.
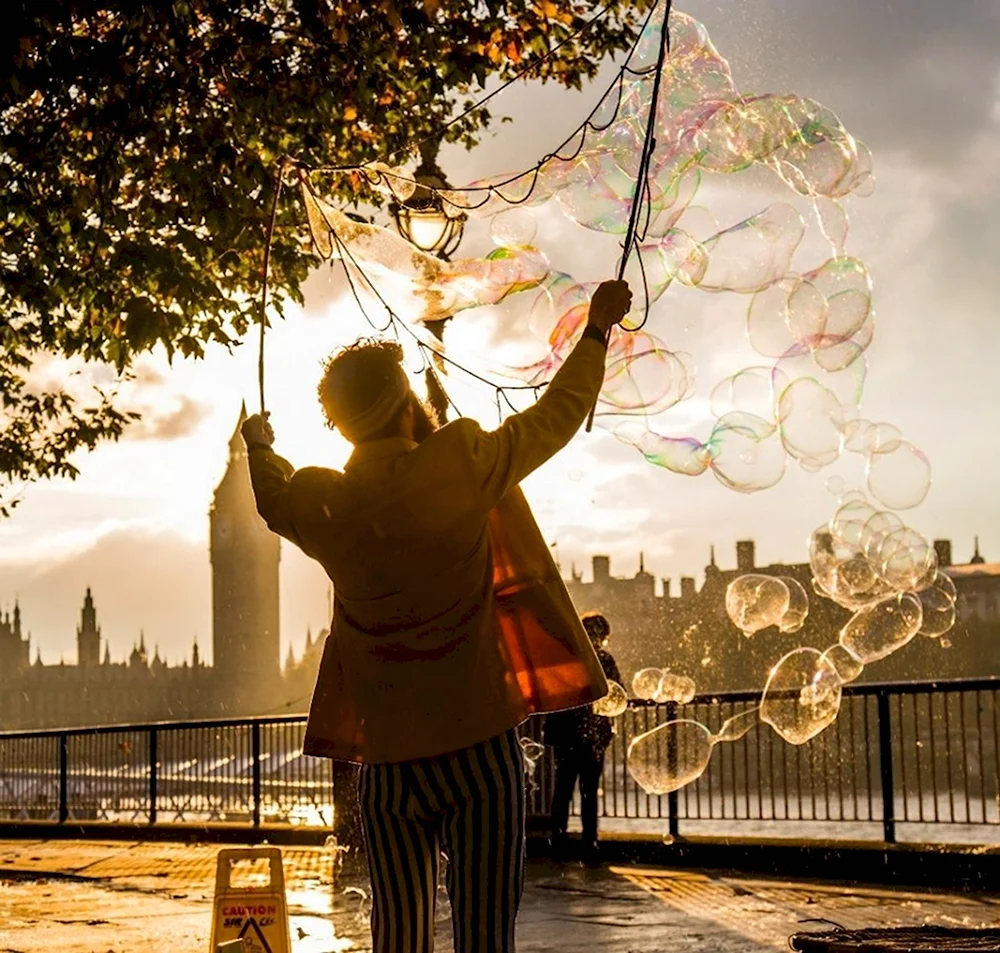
x,y
422,679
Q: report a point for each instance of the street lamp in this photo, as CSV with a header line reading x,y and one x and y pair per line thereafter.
x,y
436,227
424,219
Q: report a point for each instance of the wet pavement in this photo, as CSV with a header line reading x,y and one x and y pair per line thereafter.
x,y
117,897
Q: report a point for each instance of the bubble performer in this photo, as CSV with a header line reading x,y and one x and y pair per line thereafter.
x,y
579,739
451,625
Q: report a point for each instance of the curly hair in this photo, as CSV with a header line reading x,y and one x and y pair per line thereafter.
x,y
356,375
596,626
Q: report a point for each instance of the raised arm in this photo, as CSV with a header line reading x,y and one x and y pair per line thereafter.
x,y
502,458
270,476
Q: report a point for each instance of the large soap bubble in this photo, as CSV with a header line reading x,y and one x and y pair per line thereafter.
x,y
937,603
872,634
646,682
659,685
612,704
802,696
900,477
755,601
669,756
798,606
675,688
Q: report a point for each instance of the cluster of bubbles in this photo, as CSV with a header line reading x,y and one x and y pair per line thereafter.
x,y
798,402
755,601
867,561
659,685
811,328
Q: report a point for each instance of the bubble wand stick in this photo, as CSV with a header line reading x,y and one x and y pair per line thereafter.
x,y
641,178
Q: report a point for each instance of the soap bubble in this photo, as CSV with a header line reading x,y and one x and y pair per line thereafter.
x,y
646,682
612,704
811,419
669,756
906,560
900,476
847,667
755,601
835,485
746,453
874,633
737,726
659,685
515,228
937,603
798,606
802,696
675,688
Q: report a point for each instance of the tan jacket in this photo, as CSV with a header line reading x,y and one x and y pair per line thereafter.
x,y
451,622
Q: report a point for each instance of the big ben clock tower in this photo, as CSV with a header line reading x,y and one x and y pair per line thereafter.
x,y
244,554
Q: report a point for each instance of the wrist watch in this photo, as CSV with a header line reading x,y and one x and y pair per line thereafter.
x,y
596,334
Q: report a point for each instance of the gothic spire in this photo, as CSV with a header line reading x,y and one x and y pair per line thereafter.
x,y
711,557
977,557
236,445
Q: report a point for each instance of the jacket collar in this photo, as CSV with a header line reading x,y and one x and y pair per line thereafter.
x,y
385,449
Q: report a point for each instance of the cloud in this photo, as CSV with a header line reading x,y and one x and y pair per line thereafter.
x,y
158,582
173,424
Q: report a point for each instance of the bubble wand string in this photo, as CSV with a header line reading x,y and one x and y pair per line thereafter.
x,y
269,238
288,161
641,178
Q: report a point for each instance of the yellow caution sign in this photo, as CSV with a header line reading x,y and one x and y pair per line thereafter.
x,y
258,916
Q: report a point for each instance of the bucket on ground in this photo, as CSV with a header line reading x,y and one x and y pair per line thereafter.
x,y
255,915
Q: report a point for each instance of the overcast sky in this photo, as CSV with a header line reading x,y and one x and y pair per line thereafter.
x,y
918,81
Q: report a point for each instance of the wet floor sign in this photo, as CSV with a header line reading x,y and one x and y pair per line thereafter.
x,y
257,915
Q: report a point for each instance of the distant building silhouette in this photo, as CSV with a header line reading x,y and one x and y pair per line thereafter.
x,y
244,555
88,635
690,633
245,678
15,650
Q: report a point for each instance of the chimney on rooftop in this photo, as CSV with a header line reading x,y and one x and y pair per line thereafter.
x,y
745,557
601,568
943,549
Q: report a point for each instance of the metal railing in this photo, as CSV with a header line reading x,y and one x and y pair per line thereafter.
x,y
919,754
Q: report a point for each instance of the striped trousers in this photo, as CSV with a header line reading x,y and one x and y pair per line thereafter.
x,y
467,805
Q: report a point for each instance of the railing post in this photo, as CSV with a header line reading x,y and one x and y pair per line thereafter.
x,y
63,778
673,802
153,774
885,766
255,754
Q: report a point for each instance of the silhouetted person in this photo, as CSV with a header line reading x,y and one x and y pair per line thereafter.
x,y
580,739
451,625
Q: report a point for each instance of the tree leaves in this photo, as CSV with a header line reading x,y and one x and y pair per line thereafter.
x,y
138,146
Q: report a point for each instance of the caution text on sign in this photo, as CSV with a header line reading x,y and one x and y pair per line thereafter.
x,y
256,915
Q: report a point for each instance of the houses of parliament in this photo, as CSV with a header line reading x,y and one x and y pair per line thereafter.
x,y
686,631
246,677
